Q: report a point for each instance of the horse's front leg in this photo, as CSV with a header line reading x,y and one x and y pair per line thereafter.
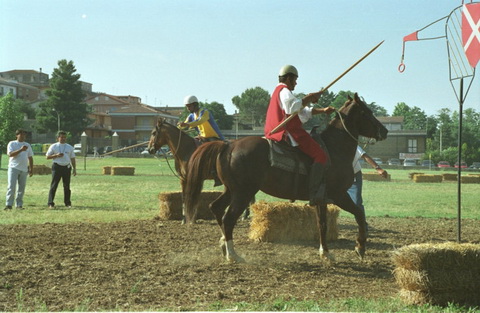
x,y
362,233
321,214
346,203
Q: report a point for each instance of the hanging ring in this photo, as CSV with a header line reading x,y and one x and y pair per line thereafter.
x,y
401,67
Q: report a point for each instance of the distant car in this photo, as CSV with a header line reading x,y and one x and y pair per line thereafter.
x,y
145,151
428,163
475,165
394,162
378,161
443,164
107,149
409,162
462,165
77,148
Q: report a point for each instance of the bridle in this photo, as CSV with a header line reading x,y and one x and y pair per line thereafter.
x,y
157,131
370,141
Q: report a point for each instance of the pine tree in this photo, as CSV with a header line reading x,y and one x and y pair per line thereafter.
x,y
65,108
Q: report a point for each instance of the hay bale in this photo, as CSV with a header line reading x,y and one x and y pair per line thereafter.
x,y
438,273
471,179
411,175
426,178
122,170
41,170
285,221
107,170
449,177
373,176
171,205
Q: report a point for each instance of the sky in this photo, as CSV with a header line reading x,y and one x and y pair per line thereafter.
x,y
162,51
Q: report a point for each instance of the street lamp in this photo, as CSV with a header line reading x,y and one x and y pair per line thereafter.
x,y
58,118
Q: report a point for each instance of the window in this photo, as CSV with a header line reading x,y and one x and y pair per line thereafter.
x,y
412,145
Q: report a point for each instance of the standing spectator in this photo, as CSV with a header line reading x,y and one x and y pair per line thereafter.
x,y
63,161
20,165
201,119
355,190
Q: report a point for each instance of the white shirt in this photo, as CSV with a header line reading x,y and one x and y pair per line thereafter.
x,y
64,148
290,104
20,161
357,167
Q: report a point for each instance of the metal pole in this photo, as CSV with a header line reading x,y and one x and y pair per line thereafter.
x,y
459,181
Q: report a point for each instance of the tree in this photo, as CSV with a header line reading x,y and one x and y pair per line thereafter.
x,y
65,105
414,117
252,105
224,121
11,119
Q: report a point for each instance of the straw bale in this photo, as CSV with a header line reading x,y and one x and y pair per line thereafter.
x,y
286,222
449,176
426,178
411,175
414,297
373,176
107,170
438,273
171,205
470,179
41,170
123,170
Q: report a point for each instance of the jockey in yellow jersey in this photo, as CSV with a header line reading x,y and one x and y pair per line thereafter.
x,y
201,119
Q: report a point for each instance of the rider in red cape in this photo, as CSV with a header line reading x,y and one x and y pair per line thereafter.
x,y
282,104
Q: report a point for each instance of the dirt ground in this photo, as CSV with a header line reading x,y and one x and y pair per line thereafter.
x,y
155,264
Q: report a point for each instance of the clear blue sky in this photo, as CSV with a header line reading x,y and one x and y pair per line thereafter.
x,y
216,49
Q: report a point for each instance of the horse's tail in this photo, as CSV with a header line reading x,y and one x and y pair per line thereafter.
x,y
202,165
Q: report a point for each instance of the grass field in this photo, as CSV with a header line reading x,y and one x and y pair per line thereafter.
x,y
104,198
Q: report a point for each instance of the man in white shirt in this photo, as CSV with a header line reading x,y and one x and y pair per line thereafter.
x,y
20,165
63,163
355,190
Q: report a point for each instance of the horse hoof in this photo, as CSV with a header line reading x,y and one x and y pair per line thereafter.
x,y
327,257
235,259
223,246
360,252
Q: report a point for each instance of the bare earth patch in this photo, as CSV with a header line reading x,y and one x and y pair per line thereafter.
x,y
155,264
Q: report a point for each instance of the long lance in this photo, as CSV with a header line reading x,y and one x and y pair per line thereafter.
x,y
285,121
126,148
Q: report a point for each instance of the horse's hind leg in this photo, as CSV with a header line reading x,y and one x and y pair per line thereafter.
x,y
218,207
237,207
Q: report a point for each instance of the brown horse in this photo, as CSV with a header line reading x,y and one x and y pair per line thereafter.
x,y
244,168
179,142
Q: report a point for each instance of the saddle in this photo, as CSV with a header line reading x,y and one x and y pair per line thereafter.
x,y
288,158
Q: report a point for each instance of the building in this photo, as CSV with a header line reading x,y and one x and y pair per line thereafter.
x,y
126,115
400,143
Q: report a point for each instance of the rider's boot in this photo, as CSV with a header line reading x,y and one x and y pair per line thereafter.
x,y
318,184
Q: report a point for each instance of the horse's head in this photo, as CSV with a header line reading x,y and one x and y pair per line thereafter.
x,y
157,137
358,119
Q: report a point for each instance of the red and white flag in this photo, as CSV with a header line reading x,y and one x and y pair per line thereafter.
x,y
471,32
